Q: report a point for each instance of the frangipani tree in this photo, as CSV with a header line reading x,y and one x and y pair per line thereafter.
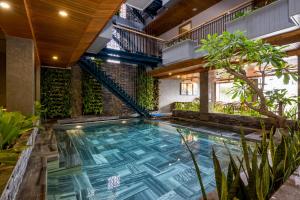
x,y
234,52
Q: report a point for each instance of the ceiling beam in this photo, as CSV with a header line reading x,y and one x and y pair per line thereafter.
x,y
284,38
176,67
198,70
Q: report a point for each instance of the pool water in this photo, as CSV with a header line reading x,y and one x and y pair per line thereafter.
x,y
133,160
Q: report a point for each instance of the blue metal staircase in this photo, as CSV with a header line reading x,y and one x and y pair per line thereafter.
x,y
91,67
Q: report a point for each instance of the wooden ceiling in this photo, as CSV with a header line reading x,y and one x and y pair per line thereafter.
x,y
179,12
67,38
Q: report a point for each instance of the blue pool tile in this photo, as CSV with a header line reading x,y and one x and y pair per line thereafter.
x,y
137,160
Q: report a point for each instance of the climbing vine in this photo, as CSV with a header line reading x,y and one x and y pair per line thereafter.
x,y
91,95
55,92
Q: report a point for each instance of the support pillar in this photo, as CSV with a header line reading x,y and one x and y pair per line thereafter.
x,y
76,89
20,81
204,92
38,83
298,86
2,70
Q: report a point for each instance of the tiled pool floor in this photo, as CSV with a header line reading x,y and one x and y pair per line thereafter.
x,y
134,160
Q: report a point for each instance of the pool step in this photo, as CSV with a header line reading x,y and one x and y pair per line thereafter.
x,y
69,157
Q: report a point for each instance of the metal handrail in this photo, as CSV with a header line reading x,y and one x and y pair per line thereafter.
x,y
217,25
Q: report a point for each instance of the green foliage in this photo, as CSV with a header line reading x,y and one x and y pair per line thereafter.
x,y
188,106
145,91
91,95
181,132
234,109
234,53
265,168
241,14
12,125
55,92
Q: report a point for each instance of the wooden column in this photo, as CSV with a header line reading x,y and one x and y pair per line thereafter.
x,y
204,92
2,70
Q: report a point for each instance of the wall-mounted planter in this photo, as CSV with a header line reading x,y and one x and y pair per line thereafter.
x,y
271,19
15,180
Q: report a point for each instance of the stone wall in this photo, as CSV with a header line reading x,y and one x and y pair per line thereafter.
x,y
125,75
16,178
225,119
20,80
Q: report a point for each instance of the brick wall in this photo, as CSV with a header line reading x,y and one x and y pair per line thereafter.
x,y
125,75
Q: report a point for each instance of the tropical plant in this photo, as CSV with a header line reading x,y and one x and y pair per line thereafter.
x,y
188,106
197,169
261,171
234,52
12,125
278,100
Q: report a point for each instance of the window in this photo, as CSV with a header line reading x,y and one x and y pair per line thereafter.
x,y
187,89
185,27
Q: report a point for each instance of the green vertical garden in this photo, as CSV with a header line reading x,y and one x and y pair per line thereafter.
x,y
55,92
91,95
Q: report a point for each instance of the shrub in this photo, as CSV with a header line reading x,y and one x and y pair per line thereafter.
x,y
12,125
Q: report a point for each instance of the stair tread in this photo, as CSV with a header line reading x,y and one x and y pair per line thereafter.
x,y
111,85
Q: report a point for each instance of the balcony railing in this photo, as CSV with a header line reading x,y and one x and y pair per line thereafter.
x,y
136,42
217,25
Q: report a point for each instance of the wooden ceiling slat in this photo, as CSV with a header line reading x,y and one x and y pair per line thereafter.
x,y
176,14
69,37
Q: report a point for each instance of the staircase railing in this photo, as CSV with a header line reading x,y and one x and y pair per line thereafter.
x,y
91,67
217,25
137,42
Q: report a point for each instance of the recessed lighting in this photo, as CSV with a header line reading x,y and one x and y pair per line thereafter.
x,y
124,122
78,126
178,76
4,5
54,57
63,13
195,9
170,74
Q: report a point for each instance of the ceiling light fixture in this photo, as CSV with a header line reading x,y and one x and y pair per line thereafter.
x,y
63,13
178,76
195,9
4,5
54,57
170,74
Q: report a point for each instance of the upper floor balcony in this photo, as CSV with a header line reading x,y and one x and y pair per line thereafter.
x,y
276,18
273,22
